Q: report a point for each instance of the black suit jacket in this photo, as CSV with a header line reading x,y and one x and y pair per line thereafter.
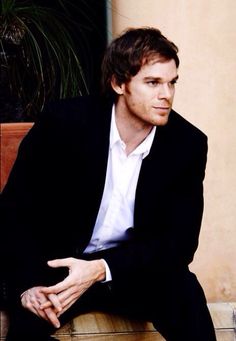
x,y
51,200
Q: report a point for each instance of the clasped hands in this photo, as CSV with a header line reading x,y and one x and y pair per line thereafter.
x,y
51,302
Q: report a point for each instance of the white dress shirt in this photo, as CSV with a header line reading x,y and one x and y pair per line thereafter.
x,y
116,210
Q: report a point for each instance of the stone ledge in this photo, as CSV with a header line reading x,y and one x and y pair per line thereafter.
x,y
97,326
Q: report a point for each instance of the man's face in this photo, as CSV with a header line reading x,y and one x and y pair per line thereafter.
x,y
149,95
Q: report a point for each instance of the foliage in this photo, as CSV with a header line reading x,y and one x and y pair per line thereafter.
x,y
39,57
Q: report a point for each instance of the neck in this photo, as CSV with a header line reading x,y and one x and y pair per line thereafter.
x,y
131,131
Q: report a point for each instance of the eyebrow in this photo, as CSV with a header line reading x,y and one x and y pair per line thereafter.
x,y
160,79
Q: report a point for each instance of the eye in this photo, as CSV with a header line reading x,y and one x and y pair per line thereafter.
x,y
173,82
152,83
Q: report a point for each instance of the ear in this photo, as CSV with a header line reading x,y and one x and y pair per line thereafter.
x,y
118,88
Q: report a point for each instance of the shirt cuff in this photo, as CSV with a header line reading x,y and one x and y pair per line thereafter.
x,y
108,272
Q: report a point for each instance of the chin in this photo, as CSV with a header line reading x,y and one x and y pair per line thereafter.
x,y
162,121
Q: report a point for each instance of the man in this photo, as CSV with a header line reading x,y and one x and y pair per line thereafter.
x,y
106,199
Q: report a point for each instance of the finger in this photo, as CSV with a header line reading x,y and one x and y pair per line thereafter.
x,y
53,301
66,307
68,303
45,305
58,299
33,306
52,317
41,313
70,300
55,289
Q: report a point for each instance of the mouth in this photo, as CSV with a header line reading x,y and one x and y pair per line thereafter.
x,y
163,109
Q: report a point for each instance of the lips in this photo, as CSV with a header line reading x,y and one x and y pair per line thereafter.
x,y
162,110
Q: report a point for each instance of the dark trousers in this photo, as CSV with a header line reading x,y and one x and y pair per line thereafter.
x,y
176,306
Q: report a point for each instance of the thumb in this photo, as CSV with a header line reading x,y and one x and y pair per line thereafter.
x,y
62,262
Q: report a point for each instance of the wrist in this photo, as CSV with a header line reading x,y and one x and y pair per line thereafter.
x,y
101,270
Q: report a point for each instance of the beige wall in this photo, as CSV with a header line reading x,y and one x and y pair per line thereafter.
x,y
205,32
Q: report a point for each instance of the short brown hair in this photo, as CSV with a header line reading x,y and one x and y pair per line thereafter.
x,y
127,53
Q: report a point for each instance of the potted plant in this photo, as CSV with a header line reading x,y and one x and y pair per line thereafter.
x,y
39,58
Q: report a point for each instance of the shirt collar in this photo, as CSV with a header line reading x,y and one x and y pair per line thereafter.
x,y
143,148
114,134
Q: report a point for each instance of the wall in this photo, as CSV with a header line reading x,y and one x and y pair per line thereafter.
x,y
205,32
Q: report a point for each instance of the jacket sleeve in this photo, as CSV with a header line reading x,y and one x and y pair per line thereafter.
x,y
166,235
22,204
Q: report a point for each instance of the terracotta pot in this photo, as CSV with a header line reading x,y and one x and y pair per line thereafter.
x,y
11,135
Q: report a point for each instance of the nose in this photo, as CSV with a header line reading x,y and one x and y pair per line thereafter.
x,y
164,91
